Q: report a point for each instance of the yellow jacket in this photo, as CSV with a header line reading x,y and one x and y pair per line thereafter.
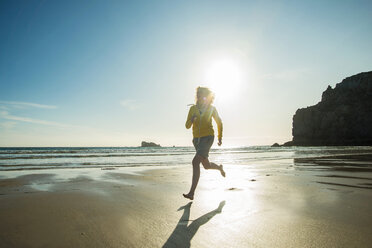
x,y
202,125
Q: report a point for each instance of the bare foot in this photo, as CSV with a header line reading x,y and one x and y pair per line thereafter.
x,y
222,171
188,196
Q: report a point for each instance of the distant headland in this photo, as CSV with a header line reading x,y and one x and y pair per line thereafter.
x,y
343,117
149,144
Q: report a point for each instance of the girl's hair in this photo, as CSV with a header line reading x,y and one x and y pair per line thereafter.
x,y
204,92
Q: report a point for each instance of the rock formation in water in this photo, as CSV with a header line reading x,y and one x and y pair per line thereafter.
x,y
149,144
342,117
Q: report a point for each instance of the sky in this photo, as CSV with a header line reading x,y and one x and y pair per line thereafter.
x,y
115,73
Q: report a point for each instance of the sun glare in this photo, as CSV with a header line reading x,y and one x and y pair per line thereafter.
x,y
224,78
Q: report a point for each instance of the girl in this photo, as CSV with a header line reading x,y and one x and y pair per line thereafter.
x,y
200,118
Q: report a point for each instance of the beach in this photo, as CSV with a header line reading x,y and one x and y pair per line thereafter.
x,y
312,201
108,107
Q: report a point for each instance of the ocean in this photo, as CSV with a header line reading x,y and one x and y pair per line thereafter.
x,y
44,158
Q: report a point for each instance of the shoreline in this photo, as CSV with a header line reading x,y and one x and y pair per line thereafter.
x,y
261,204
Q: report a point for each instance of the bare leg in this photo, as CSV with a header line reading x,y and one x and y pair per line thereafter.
x,y
212,166
195,176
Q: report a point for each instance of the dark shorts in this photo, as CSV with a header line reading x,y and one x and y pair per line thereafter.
x,y
203,145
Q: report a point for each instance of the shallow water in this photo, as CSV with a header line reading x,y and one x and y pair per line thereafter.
x,y
337,168
113,157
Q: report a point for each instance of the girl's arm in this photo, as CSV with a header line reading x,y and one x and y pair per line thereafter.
x,y
190,118
218,120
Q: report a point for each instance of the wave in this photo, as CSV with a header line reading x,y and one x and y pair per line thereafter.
x,y
44,158
36,156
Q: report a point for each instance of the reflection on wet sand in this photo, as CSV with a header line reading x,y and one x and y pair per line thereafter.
x,y
353,170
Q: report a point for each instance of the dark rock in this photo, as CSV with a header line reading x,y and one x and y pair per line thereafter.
x,y
342,117
275,145
149,144
288,143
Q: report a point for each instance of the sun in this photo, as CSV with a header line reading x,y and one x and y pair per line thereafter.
x,y
223,77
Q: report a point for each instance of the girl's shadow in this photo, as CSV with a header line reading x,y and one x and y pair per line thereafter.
x,y
183,233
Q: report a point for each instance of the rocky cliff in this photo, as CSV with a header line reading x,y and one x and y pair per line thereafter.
x,y
342,117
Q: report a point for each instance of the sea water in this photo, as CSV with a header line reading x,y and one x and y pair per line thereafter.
x,y
57,165
37,158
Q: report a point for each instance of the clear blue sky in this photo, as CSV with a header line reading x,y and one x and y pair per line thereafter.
x,y
114,73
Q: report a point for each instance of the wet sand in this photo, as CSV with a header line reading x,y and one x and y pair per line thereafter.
x,y
284,203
